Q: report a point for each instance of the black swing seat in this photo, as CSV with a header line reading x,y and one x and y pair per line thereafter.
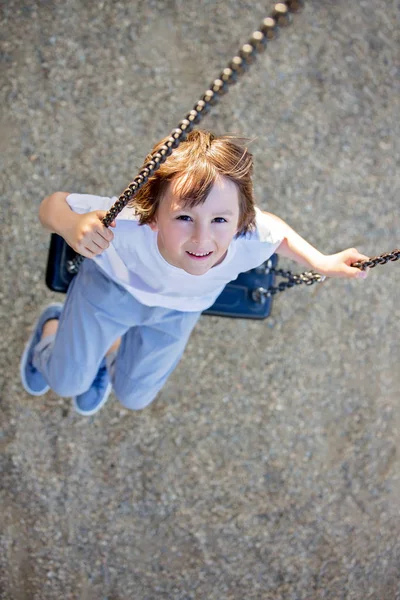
x,y
240,298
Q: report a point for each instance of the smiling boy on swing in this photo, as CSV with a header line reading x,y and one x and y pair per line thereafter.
x,y
129,312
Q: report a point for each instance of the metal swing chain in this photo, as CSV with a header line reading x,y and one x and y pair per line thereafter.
x,y
378,260
268,30
260,294
293,279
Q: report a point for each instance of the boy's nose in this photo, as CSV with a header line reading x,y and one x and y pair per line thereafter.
x,y
200,234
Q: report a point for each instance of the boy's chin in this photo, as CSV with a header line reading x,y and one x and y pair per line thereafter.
x,y
198,270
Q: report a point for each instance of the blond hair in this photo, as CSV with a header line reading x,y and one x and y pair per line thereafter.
x,y
198,161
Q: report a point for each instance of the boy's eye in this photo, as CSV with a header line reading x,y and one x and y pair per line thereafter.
x,y
215,220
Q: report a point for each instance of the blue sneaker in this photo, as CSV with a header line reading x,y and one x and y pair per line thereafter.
x,y
33,381
97,395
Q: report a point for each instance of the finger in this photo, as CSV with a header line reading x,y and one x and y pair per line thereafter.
x,y
353,272
86,248
87,253
357,264
350,272
97,238
100,240
95,243
360,257
105,233
94,248
360,273
101,214
356,256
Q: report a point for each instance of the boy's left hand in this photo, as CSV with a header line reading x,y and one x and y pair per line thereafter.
x,y
338,265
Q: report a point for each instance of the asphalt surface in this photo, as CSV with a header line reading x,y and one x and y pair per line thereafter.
x,y
268,467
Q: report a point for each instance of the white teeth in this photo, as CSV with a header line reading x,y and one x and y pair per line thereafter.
x,y
200,254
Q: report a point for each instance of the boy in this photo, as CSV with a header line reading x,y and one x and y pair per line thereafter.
x,y
129,312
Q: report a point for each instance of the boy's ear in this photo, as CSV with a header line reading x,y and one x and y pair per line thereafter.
x,y
153,225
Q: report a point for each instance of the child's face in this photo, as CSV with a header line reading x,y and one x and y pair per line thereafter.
x,y
196,239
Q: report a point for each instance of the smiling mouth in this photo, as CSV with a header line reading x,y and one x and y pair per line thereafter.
x,y
199,255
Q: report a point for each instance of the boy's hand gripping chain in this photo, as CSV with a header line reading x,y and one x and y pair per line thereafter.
x,y
260,294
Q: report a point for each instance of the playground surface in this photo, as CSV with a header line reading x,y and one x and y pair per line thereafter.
x,y
268,467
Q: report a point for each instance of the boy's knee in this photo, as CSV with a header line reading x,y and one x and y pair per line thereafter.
x,y
68,386
64,378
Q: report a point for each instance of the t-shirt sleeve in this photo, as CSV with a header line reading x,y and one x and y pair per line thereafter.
x,y
84,203
268,229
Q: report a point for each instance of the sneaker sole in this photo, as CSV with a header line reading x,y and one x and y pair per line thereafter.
x,y
88,413
24,357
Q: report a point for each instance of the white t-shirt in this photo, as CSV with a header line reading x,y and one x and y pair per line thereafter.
x,y
134,261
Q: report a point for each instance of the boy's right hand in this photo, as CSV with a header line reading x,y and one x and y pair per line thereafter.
x,y
88,236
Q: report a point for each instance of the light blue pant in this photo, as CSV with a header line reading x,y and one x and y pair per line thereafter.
x,y
97,311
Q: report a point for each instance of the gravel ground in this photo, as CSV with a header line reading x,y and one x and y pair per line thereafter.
x,y
266,469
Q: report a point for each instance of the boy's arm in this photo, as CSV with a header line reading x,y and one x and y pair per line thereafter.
x,y
293,246
85,233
